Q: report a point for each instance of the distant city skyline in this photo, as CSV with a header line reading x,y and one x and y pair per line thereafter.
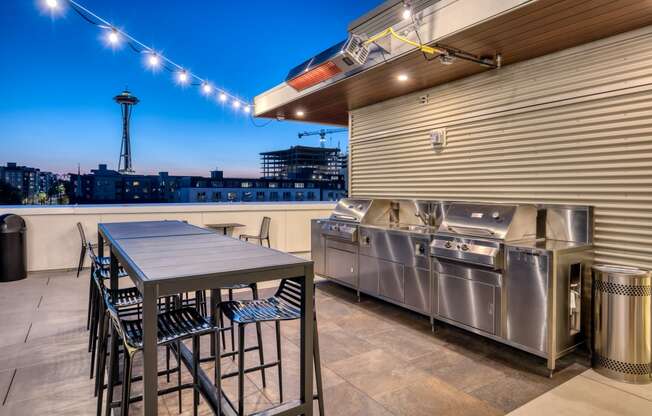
x,y
58,81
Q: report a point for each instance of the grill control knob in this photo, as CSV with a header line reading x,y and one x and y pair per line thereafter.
x,y
448,244
464,247
495,215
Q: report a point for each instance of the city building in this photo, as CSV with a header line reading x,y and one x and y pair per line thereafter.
x,y
105,186
260,190
22,178
303,162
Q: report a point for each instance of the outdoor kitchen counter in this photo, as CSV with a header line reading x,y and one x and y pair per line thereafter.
x,y
556,246
168,257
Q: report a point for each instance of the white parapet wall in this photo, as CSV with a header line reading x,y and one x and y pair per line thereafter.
x,y
53,242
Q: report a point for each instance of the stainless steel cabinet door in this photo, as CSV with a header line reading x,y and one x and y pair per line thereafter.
x,y
342,265
368,274
468,302
391,279
417,288
526,289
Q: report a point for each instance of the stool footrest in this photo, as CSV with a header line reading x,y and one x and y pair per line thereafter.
x,y
161,392
251,369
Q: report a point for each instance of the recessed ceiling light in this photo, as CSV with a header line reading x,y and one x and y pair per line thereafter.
x,y
402,77
300,113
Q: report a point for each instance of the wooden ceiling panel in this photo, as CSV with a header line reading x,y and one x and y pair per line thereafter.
x,y
537,29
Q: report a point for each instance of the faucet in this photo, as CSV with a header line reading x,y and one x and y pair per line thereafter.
x,y
425,217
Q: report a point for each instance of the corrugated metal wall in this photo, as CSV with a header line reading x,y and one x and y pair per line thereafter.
x,y
574,127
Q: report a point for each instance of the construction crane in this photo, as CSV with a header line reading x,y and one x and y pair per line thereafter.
x,y
322,134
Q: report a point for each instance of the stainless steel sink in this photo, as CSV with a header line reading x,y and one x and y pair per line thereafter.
x,y
414,228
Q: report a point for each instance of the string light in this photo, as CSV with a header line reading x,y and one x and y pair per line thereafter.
x,y
153,59
113,37
182,77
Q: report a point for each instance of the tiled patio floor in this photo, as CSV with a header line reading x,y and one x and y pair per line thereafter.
x,y
378,359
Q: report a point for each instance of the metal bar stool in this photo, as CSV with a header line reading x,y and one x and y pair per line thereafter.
x,y
99,273
84,246
174,326
285,305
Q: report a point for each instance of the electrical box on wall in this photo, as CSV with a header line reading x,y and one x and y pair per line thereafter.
x,y
438,139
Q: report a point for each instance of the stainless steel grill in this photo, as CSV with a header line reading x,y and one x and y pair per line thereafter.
x,y
476,233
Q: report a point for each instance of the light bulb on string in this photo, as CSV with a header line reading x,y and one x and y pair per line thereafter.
x,y
236,104
206,88
247,109
153,60
223,97
113,37
52,4
182,77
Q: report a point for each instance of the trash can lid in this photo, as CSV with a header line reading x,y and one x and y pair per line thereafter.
x,y
617,269
11,223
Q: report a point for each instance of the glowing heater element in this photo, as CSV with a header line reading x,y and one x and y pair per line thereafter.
x,y
342,57
314,76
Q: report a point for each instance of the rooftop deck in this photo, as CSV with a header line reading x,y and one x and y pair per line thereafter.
x,y
378,360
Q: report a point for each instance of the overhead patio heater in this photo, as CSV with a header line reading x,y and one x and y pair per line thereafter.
x,y
342,57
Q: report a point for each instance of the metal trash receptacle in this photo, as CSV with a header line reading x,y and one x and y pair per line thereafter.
x,y
13,256
622,326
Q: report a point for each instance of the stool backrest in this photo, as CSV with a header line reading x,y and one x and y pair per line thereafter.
x,y
95,261
113,311
82,235
290,291
264,227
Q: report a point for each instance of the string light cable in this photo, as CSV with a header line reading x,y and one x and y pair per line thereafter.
x,y
153,58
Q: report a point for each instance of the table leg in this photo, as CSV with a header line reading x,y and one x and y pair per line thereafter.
x,y
114,268
307,322
150,360
216,295
100,245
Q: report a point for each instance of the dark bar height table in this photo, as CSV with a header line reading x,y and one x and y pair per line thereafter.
x,y
169,257
226,227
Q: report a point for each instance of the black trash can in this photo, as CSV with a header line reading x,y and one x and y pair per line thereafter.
x,y
13,257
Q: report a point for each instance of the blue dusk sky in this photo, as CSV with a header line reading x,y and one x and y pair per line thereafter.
x,y
58,79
